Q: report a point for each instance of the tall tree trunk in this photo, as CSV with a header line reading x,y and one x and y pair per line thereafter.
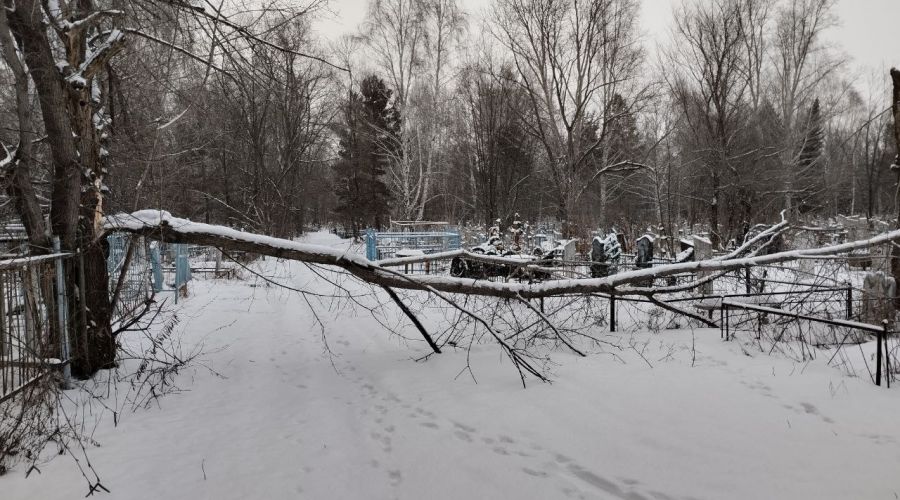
x,y
21,189
895,107
68,113
714,212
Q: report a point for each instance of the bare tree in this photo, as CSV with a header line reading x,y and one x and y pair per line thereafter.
x,y
711,91
20,160
757,43
500,152
801,64
572,58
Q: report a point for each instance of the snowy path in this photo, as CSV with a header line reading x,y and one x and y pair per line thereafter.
x,y
283,422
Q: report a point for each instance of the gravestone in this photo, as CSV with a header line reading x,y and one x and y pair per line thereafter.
x,y
599,266
644,257
703,251
605,254
880,258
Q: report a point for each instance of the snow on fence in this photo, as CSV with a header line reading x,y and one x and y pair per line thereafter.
x,y
386,245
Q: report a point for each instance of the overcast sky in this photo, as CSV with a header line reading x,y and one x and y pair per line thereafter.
x,y
867,30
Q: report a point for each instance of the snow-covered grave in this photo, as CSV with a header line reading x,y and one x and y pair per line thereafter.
x,y
276,407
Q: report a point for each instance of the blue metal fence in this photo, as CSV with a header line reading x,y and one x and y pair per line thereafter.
x,y
384,245
135,285
150,265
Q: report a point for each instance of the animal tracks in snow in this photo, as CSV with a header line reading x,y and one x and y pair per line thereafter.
x,y
575,480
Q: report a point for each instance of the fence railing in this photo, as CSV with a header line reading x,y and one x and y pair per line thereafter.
x,y
836,332
33,333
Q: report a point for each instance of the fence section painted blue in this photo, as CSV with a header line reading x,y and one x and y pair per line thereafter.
x,y
156,261
386,245
182,266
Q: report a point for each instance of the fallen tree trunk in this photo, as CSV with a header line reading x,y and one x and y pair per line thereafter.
x,y
164,227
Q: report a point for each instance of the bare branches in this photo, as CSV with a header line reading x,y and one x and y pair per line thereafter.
x,y
215,14
181,50
573,60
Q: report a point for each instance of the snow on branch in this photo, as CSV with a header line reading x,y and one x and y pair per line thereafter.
x,y
63,25
97,57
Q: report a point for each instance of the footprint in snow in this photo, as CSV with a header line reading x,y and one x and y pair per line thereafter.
x,y
463,435
535,473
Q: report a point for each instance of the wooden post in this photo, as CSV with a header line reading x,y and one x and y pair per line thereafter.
x,y
747,279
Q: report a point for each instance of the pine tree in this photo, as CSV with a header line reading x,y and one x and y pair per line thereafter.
x,y
814,139
369,140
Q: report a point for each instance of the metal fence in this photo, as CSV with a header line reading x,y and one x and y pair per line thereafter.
x,y
34,313
169,267
130,270
33,336
386,245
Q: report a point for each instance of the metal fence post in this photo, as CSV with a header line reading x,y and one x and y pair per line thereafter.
x,y
62,316
371,248
727,319
612,313
849,304
878,357
722,320
887,354
156,266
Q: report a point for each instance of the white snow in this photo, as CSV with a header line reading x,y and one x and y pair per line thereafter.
x,y
285,420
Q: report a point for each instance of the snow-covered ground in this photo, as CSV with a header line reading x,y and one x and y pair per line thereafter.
x,y
284,419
